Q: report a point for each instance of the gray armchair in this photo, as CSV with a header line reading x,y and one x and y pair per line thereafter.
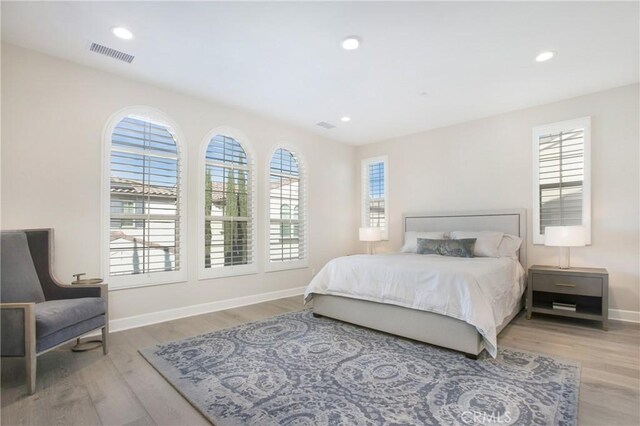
x,y
38,313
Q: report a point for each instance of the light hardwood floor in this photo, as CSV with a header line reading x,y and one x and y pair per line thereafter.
x,y
123,389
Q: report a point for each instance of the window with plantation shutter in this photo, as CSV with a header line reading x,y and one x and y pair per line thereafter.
x,y
375,194
287,213
229,204
145,215
561,154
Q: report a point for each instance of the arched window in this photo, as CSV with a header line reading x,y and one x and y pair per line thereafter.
x,y
145,214
229,224
287,219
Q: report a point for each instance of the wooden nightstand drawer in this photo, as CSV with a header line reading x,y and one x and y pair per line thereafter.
x,y
568,284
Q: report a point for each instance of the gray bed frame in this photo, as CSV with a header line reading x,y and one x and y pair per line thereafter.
x,y
437,329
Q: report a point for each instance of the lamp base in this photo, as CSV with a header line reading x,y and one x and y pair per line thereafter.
x,y
564,259
371,248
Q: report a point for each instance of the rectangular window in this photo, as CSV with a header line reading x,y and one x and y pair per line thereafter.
x,y
228,233
128,209
375,191
561,153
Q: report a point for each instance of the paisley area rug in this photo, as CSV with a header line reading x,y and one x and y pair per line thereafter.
x,y
295,369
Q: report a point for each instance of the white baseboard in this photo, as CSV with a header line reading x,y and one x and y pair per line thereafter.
x,y
204,308
622,315
220,305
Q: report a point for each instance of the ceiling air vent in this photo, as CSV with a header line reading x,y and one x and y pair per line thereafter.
x,y
326,125
112,53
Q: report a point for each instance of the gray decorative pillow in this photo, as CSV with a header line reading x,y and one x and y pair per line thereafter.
x,y
454,248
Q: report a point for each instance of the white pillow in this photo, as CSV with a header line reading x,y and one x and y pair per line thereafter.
x,y
487,242
509,246
411,240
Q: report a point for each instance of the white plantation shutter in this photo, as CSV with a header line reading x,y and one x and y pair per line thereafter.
x,y
144,194
561,175
375,194
229,206
287,210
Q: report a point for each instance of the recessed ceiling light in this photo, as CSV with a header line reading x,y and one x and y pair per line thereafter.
x,y
345,119
544,56
351,43
122,33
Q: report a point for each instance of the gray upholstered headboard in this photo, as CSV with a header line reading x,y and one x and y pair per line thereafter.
x,y
508,221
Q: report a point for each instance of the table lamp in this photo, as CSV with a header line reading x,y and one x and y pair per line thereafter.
x,y
370,235
564,237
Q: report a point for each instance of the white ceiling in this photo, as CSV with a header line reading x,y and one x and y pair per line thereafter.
x,y
284,60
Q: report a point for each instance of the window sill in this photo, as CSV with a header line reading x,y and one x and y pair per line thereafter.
x,y
229,271
286,266
121,284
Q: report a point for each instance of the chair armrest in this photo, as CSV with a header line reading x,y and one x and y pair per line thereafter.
x,y
18,328
89,290
101,290
66,291
18,305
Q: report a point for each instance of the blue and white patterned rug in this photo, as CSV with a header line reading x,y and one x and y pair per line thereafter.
x,y
295,369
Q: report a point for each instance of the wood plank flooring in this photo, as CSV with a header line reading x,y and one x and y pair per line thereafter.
x,y
123,389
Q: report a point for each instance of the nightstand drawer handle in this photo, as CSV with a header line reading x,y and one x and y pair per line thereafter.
x,y
565,285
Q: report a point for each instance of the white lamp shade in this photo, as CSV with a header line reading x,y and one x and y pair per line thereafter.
x,y
564,236
370,234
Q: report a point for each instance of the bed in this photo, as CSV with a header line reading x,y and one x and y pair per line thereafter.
x,y
469,334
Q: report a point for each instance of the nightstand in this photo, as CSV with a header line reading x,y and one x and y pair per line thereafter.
x,y
586,288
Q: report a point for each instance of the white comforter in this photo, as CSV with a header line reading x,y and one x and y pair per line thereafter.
x,y
481,291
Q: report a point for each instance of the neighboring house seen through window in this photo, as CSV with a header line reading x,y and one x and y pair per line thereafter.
x,y
285,226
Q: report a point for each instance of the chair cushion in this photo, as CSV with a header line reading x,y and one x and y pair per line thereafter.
x,y
54,315
18,277
54,339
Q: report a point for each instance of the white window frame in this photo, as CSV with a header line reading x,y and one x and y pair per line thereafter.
x,y
538,131
234,270
153,278
365,192
303,211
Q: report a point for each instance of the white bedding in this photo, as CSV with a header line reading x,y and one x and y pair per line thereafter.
x,y
481,291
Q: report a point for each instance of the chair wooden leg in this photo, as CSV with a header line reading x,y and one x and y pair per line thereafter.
x,y
104,293
105,340
30,348
31,363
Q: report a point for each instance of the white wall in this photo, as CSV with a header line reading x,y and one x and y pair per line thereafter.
x,y
53,116
54,112
487,164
